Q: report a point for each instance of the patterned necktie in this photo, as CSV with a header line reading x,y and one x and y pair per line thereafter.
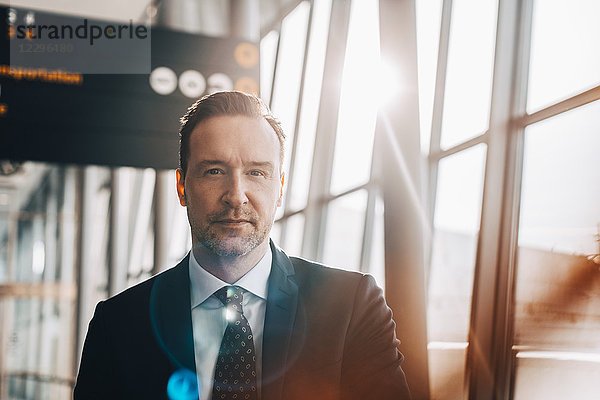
x,y
235,372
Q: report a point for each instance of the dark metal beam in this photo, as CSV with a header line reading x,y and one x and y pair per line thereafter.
x,y
490,336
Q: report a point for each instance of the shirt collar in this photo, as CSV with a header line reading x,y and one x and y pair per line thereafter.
x,y
203,284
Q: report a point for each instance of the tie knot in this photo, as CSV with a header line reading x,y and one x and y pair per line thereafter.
x,y
231,296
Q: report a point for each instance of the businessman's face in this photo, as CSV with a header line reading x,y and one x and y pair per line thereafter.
x,y
233,183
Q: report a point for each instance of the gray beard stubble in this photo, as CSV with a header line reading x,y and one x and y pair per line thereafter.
x,y
207,237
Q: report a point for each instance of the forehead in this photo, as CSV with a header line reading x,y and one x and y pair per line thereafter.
x,y
240,137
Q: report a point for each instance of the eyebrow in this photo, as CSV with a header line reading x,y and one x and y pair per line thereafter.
x,y
262,164
206,163
259,164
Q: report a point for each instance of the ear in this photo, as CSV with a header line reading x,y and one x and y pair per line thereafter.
x,y
280,200
181,187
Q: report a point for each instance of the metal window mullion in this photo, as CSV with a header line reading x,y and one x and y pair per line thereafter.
x,y
49,277
568,104
160,209
117,240
274,77
369,226
370,216
89,182
143,216
502,345
490,328
67,221
68,243
12,248
299,104
329,198
438,105
290,174
508,252
136,190
325,137
436,157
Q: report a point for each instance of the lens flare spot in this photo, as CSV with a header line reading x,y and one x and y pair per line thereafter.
x,y
230,314
183,385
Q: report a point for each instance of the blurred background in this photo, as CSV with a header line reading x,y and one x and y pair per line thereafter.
x,y
450,148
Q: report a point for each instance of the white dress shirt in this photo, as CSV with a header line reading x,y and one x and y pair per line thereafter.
x,y
208,317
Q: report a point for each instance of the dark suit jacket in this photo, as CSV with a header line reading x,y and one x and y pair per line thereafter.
x,y
328,334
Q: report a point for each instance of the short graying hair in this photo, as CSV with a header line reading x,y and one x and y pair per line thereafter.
x,y
224,103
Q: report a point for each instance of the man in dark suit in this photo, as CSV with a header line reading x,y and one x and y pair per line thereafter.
x,y
237,318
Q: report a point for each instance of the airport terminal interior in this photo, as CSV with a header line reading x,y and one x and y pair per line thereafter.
x,y
449,148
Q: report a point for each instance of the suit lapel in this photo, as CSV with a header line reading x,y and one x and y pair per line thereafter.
x,y
171,316
171,320
282,302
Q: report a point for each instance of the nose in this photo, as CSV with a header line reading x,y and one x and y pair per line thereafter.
x,y
235,192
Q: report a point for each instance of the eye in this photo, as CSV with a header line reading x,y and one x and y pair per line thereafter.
x,y
214,171
257,173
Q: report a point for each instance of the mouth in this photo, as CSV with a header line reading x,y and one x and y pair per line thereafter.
x,y
233,222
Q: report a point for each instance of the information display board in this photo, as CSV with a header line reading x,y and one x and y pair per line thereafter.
x,y
56,115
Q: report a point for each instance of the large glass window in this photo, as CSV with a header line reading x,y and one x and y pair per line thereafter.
x,y
344,234
307,128
289,70
470,69
564,50
358,110
292,241
345,228
268,52
458,174
428,15
557,311
555,297
456,228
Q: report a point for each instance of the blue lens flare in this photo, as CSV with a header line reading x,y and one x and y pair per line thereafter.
x,y
183,385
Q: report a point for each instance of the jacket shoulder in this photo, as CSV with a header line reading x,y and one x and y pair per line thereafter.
x,y
141,292
305,268
313,277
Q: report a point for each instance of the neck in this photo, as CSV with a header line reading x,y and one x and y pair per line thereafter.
x,y
228,268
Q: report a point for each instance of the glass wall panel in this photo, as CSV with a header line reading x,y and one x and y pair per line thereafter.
x,y
60,216
344,231
289,71
140,244
429,14
298,185
37,299
5,229
39,350
276,232
470,69
564,50
557,310
268,50
294,230
100,219
358,108
456,228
